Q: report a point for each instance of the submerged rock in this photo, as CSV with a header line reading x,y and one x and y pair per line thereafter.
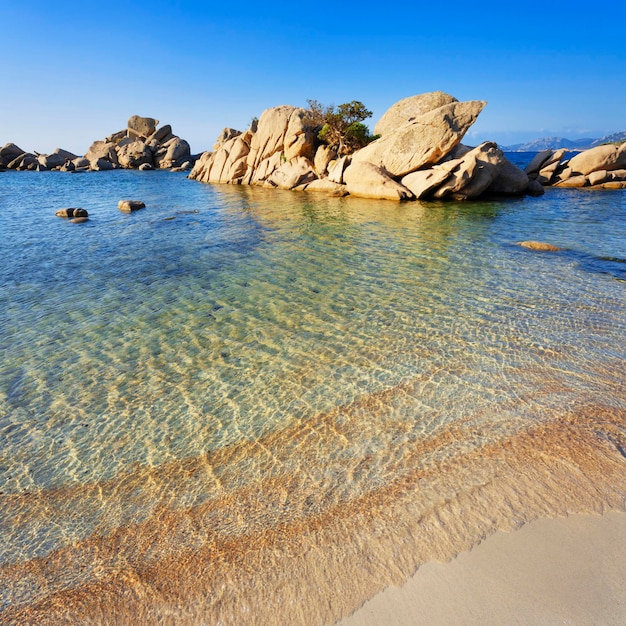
x,y
540,246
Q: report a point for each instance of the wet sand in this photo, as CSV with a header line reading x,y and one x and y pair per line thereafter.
x,y
552,571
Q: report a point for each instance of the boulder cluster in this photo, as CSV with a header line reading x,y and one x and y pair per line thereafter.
x,y
139,146
418,155
602,167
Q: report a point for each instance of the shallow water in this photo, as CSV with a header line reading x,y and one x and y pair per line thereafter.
x,y
237,398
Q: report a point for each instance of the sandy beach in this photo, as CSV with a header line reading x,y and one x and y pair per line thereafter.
x,y
552,571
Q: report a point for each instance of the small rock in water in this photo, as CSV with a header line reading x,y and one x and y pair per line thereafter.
x,y
130,205
539,245
72,212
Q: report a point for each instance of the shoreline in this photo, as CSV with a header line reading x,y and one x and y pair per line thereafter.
x,y
564,570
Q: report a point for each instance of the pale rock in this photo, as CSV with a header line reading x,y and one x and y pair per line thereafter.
x,y
367,180
226,135
540,246
423,141
609,157
130,205
298,171
471,175
80,163
285,129
66,154
574,181
172,153
202,167
118,136
227,164
323,156
597,177
101,165
326,186
336,169
422,182
618,175
134,154
146,167
162,134
408,109
50,161
614,184
141,127
102,150
264,169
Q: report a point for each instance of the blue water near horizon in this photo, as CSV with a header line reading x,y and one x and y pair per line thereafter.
x,y
218,315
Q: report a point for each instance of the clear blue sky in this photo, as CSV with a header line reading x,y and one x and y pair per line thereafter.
x,y
72,72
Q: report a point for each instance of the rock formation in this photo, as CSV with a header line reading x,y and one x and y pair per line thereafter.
x,y
140,146
602,167
418,155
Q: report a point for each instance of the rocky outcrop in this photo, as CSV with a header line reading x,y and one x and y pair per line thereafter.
x,y
141,145
418,155
601,167
424,141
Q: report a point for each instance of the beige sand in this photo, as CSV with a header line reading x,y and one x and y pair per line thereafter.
x,y
560,571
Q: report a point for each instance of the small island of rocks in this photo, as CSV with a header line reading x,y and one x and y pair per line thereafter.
x,y
418,155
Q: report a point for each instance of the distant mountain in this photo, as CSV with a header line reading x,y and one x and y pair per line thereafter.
x,y
554,143
551,143
614,138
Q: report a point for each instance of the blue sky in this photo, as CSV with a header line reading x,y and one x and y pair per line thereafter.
x,y
72,73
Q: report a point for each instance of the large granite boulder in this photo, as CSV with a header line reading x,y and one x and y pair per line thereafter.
x,y
423,141
284,130
408,109
228,164
134,154
472,174
608,157
102,150
172,153
141,127
367,180
291,174
9,152
423,182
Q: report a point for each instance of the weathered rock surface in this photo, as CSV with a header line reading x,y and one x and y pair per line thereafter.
x,y
140,145
289,175
423,141
408,109
419,155
610,157
367,180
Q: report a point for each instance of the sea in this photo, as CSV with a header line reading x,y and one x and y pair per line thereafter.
x,y
251,406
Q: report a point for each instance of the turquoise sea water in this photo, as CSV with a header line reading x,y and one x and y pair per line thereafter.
x,y
221,316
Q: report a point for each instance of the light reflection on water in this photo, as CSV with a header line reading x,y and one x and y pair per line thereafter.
x,y
226,322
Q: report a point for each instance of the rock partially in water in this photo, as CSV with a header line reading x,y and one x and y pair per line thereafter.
x,y
130,205
540,245
72,212
79,220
